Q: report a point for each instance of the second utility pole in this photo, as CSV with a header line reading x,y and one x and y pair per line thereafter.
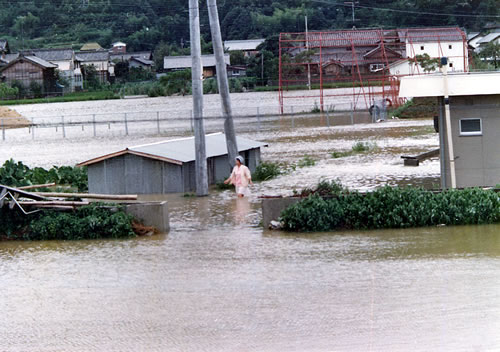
x,y
197,88
227,112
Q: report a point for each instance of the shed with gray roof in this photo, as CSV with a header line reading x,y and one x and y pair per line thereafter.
x,y
165,167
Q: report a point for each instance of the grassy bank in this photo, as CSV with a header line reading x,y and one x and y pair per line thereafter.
x,y
389,207
77,96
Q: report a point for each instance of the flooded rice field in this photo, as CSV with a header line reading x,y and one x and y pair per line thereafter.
x,y
219,282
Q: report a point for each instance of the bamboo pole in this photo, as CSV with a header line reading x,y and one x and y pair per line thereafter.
x,y
88,195
53,203
37,186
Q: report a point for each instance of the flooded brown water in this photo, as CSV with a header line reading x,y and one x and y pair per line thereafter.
x,y
219,282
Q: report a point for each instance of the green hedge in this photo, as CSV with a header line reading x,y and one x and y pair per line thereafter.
x,y
88,222
389,207
14,174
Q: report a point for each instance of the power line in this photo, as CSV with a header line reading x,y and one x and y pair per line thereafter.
x,y
406,11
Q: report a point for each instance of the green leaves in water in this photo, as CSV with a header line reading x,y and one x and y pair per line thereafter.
x,y
88,222
389,207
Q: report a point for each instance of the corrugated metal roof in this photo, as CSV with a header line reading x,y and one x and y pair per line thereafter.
x,y
178,62
182,150
489,38
250,44
478,83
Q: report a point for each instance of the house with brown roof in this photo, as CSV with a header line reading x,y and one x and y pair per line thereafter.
x,y
67,66
30,70
373,51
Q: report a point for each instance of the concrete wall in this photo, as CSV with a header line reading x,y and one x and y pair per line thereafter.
x,y
477,157
272,208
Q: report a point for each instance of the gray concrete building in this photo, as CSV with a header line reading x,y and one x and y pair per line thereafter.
x,y
165,167
474,101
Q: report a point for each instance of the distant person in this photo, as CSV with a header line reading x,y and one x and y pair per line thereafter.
x,y
240,178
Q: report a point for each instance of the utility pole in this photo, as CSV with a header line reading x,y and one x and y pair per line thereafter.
x,y
308,65
232,147
197,87
352,3
449,137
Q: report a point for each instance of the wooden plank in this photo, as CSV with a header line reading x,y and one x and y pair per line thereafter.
x,y
89,195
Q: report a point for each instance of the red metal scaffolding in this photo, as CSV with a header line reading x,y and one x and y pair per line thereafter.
x,y
366,63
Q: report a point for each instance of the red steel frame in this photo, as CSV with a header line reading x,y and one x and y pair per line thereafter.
x,y
359,42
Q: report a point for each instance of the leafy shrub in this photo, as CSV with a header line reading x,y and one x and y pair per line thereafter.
x,y
360,147
306,161
266,171
88,222
389,207
7,92
36,88
17,174
325,189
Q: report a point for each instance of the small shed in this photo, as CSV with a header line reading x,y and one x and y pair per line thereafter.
x,y
474,99
175,63
165,167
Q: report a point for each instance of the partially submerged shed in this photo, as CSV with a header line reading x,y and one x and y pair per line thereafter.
x,y
165,167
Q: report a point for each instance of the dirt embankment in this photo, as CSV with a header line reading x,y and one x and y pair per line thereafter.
x,y
12,119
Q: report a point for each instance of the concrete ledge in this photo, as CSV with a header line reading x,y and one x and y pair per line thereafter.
x,y
272,208
151,214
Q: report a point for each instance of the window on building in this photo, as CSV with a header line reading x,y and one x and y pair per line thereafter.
x,y
471,127
421,47
451,64
450,46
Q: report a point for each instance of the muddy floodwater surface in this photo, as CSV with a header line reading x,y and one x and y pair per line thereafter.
x,y
220,282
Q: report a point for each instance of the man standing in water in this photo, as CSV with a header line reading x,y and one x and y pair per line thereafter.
x,y
240,178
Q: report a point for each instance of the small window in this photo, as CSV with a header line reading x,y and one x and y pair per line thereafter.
x,y
421,47
450,46
451,64
471,127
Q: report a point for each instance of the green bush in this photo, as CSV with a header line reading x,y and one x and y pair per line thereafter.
x,y
17,174
7,92
360,147
88,222
389,207
306,161
266,170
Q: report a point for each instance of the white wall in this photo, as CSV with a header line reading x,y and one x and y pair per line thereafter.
x,y
455,54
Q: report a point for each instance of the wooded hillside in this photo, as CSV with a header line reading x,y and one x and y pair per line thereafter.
x,y
143,24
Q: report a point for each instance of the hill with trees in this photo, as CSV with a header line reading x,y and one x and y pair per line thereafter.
x,y
144,24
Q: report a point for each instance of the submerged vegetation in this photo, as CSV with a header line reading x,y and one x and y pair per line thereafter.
x,y
357,148
389,207
89,222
